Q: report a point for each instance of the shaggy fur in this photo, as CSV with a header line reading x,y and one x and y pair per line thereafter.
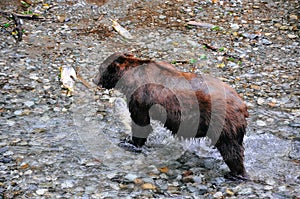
x,y
189,100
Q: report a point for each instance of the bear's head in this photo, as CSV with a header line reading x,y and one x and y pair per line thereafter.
x,y
114,67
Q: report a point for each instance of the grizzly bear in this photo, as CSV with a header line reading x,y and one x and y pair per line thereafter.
x,y
190,105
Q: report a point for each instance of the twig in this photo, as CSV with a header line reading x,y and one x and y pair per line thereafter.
x,y
18,25
180,61
18,28
22,16
215,49
84,82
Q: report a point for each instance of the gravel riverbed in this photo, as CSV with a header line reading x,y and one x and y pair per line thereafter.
x,y
57,146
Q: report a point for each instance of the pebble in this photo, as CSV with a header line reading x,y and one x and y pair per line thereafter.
x,y
260,123
270,181
260,101
268,187
148,186
18,112
293,17
41,192
283,27
234,27
202,189
130,177
4,149
29,103
218,194
162,17
10,122
28,172
270,121
246,191
292,36
8,153
67,184
282,188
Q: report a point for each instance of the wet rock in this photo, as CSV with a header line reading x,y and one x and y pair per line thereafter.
x,y
260,101
4,149
246,191
291,36
283,27
162,17
202,189
218,194
293,17
265,42
130,177
18,112
8,153
270,181
41,192
67,184
234,27
148,186
6,160
161,184
29,103
260,123
295,152
294,124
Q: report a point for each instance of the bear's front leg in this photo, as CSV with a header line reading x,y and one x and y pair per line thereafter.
x,y
138,139
140,134
140,126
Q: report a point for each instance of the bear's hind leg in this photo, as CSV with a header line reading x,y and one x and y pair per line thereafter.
x,y
233,155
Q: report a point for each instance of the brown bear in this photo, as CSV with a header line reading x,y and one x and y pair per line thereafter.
x,y
190,105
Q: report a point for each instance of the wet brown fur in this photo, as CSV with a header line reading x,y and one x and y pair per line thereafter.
x,y
206,89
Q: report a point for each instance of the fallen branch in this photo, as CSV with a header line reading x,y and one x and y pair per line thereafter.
x,y
21,16
180,62
215,49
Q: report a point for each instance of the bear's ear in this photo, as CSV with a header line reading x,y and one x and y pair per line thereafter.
x,y
109,61
128,55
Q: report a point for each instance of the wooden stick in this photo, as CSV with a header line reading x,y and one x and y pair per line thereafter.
x,y
22,16
84,82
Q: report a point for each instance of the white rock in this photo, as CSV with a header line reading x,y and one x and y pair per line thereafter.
x,y
260,123
18,112
8,153
67,184
28,172
29,103
270,120
130,177
218,194
41,192
291,36
234,26
10,122
260,101
270,181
